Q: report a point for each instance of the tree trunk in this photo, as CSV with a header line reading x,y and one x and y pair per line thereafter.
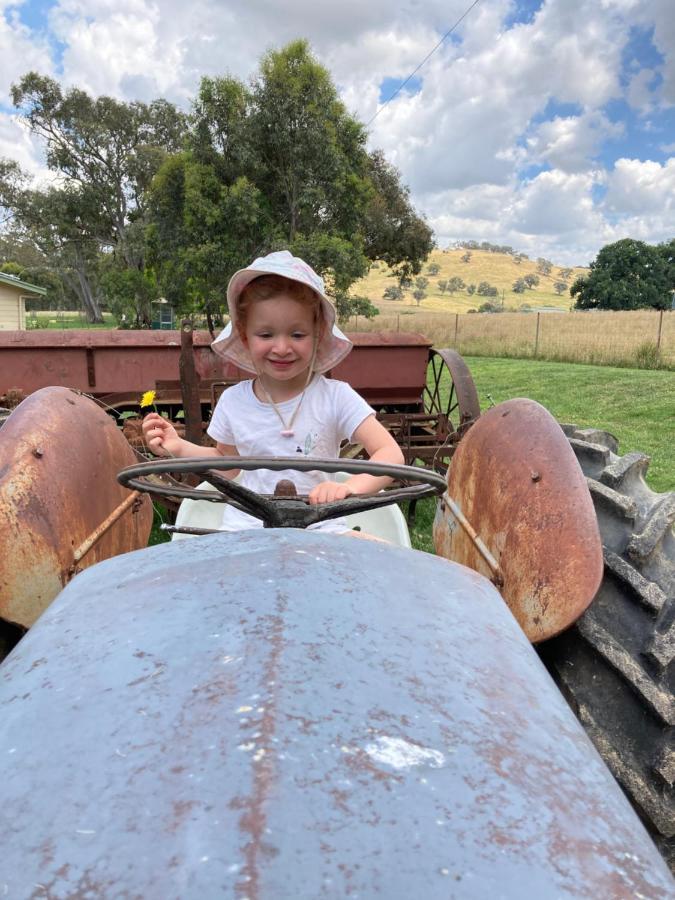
x,y
89,302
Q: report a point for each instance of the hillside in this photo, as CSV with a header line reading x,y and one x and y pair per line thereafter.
x,y
498,269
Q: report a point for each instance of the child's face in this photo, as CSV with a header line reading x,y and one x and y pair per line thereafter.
x,y
280,337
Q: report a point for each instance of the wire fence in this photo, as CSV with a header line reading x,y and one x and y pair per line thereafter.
x,y
644,338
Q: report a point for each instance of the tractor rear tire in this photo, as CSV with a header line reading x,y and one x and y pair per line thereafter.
x,y
616,665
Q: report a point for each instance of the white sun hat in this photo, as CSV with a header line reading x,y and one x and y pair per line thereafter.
x,y
333,345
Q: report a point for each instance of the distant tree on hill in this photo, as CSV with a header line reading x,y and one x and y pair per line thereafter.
x,y
421,282
628,274
560,286
489,307
519,286
393,292
433,268
544,266
443,285
485,289
419,295
466,257
565,274
455,284
471,289
531,280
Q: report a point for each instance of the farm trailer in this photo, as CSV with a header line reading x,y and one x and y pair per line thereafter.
x,y
424,396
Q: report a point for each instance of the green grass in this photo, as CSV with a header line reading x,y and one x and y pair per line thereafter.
x,y
635,405
61,320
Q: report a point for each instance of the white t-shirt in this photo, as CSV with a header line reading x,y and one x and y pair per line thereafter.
x,y
330,412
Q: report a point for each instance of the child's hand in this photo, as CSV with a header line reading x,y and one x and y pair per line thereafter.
x,y
160,435
328,491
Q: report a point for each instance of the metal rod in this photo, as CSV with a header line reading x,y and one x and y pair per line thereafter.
x,y
98,532
536,337
185,529
476,540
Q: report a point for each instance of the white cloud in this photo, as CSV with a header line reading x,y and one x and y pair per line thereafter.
x,y
488,107
570,143
20,51
642,188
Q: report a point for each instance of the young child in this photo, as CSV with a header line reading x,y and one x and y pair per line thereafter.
x,y
282,330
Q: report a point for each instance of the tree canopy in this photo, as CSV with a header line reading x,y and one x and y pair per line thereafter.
x,y
628,274
148,200
105,153
279,163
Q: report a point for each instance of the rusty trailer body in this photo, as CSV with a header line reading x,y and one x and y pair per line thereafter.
x,y
385,368
261,715
61,508
425,397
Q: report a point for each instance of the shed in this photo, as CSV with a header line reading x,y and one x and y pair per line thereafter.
x,y
13,293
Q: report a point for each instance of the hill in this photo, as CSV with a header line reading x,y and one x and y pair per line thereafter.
x,y
498,269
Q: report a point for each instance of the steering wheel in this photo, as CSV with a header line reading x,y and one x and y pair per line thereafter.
x,y
281,511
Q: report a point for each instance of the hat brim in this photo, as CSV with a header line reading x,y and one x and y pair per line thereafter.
x,y
333,345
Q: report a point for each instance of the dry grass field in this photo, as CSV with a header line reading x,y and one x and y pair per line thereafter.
x,y
499,269
643,339
602,338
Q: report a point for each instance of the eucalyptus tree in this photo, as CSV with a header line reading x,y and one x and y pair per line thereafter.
x,y
278,163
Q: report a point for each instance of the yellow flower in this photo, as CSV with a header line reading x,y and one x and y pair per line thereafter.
x,y
148,398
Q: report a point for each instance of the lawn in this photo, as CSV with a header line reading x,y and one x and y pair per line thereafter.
x,y
635,405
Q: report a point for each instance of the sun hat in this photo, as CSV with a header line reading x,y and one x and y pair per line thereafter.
x,y
333,346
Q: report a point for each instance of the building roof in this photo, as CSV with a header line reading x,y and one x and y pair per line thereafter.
x,y
13,281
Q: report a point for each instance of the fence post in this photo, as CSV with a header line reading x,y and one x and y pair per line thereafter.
x,y
456,330
658,337
356,323
536,337
398,321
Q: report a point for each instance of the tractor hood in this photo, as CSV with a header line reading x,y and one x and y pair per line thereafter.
x,y
284,714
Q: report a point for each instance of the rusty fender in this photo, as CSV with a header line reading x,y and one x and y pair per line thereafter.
x,y
519,488
61,508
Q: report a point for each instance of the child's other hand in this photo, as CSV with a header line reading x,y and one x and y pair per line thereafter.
x,y
328,491
160,435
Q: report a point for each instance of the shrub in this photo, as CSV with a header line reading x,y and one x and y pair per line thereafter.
x,y
648,356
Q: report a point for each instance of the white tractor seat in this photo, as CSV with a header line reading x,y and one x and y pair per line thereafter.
x,y
387,523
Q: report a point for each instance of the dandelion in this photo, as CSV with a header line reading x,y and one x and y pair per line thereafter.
x,y
148,399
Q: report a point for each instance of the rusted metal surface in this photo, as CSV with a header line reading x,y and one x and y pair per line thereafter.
x,y
117,362
384,367
387,368
59,457
261,715
517,481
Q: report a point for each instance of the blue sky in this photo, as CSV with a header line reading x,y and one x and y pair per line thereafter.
x,y
549,126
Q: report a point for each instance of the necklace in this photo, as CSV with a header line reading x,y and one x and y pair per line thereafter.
x,y
287,428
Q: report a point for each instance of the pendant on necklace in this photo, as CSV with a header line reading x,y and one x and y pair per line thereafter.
x,y
287,432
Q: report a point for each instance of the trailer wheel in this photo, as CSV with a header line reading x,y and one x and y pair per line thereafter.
x,y
615,665
450,390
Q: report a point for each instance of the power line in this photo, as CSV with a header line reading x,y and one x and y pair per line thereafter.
x,y
431,53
